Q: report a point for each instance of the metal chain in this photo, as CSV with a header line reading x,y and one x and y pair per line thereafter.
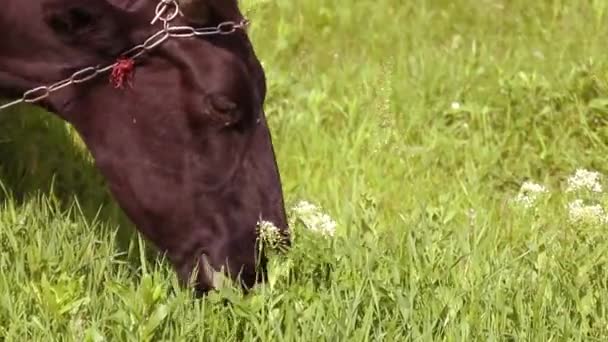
x,y
165,11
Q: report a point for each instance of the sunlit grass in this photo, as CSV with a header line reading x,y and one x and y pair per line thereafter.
x,y
415,127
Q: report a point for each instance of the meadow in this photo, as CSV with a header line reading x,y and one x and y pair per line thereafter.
x,y
441,137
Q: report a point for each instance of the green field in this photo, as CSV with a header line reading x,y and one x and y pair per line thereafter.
x,y
413,125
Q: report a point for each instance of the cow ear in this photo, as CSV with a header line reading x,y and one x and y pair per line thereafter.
x,y
129,5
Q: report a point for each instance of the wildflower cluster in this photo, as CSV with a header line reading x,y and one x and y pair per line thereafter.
x,y
529,193
585,192
586,207
314,219
585,180
269,235
579,212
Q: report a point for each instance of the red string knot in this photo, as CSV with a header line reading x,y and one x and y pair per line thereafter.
x,y
122,72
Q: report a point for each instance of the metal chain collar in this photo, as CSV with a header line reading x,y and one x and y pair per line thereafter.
x,y
166,11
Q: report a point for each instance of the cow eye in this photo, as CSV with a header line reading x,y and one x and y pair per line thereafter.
x,y
71,21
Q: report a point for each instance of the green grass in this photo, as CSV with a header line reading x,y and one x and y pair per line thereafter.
x,y
428,245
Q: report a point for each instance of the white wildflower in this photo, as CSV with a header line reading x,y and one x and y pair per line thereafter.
x,y
525,200
314,219
529,194
456,105
531,187
580,213
584,179
269,234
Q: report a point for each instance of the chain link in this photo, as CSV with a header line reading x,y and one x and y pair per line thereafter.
x,y
166,11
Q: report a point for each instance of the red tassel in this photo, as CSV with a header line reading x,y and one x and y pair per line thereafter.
x,y
122,73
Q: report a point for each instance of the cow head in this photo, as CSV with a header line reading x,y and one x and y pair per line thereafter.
x,y
185,149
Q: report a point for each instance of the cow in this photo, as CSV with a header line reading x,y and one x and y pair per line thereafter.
x,y
168,96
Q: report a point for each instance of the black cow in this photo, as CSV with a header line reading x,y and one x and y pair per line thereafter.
x,y
182,140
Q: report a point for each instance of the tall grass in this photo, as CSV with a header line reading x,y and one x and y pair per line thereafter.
x,y
413,124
